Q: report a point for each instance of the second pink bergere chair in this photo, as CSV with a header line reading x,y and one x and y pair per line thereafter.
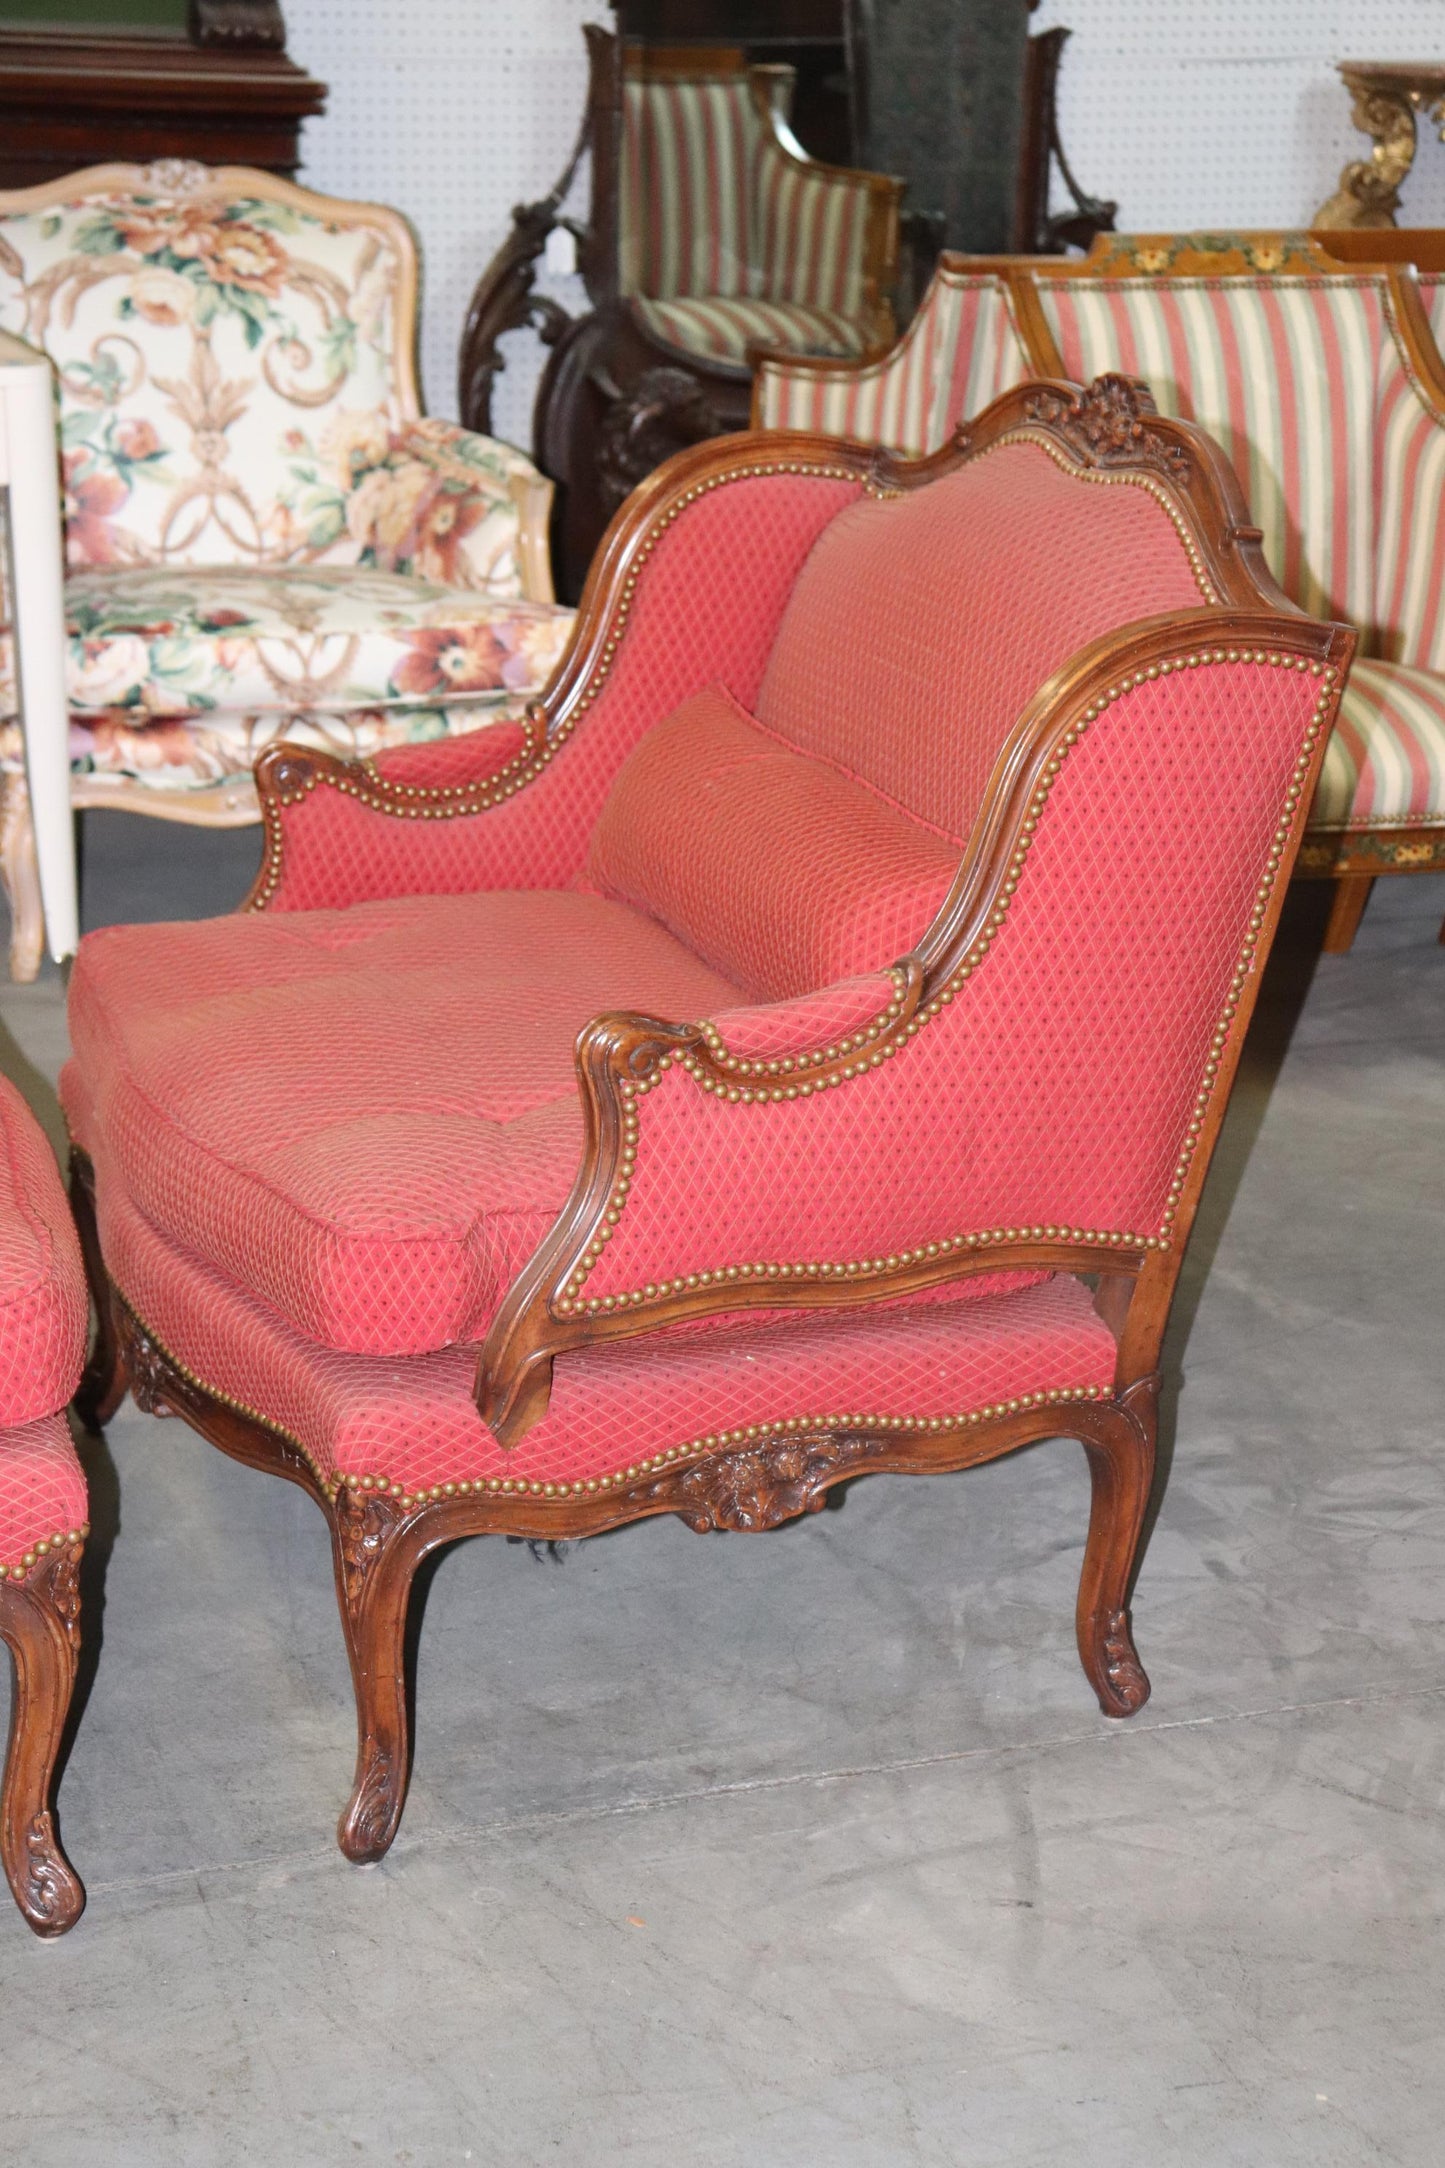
x,y
793,1053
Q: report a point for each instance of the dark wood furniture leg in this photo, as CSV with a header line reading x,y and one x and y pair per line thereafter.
x,y
1352,893
40,1623
375,1566
1121,1467
103,1382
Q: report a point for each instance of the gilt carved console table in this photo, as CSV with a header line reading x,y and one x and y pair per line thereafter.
x,y
1387,96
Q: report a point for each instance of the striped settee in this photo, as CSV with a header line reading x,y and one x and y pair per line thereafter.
x,y
729,236
1326,388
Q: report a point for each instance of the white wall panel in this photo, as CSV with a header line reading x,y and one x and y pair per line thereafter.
x,y
1190,112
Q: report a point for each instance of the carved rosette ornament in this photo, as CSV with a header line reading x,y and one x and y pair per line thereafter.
x,y
146,1368
764,1485
364,1521
1385,102
1109,425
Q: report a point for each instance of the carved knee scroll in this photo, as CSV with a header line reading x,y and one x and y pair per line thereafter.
x,y
40,1621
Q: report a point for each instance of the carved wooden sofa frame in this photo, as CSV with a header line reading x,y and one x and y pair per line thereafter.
x,y
756,1478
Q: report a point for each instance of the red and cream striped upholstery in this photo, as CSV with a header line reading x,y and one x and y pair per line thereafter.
x,y
1305,384
725,327
960,351
717,212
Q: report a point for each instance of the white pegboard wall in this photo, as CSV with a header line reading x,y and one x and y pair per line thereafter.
x,y
454,111
1229,112
1219,113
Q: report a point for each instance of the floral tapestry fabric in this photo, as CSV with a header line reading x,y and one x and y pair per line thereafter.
x,y
229,395
163,644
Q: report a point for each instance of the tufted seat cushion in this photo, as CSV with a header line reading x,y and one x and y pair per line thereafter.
x,y
370,1116
44,1308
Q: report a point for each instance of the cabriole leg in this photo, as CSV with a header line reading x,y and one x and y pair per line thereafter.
x,y
40,1621
1121,1465
376,1558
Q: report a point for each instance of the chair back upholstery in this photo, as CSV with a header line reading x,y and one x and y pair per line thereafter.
x,y
1333,422
716,200
960,351
817,836
687,200
234,357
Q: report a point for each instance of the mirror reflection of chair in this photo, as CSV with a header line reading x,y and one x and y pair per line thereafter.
x,y
711,234
264,534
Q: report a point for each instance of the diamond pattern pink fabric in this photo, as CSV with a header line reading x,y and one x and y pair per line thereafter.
x,y
1058,1085
686,628
42,1489
782,872
369,1116
44,1309
414,1421
920,627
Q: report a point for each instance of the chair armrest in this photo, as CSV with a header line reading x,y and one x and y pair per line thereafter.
x,y
450,506
800,199
686,589
1036,1086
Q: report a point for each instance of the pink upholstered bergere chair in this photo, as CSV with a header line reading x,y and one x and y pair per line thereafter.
x,y
894,774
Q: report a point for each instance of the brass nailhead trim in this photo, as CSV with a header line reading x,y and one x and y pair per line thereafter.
x,y
453,800
673,1456
62,1538
569,1300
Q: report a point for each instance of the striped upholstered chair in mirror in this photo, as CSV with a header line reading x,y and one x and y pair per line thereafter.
x,y
795,1053
1326,388
712,236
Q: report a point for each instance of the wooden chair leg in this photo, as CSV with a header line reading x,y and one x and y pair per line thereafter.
x,y
40,1622
1121,1465
375,1563
1352,893
103,1383
20,878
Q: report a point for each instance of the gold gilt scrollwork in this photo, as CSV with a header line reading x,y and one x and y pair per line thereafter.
x,y
1385,103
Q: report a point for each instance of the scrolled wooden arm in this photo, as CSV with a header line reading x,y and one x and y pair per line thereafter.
x,y
623,1060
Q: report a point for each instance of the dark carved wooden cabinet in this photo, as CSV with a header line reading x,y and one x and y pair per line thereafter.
x,y
223,91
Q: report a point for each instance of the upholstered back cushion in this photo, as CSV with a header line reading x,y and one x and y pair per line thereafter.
x,y
687,194
780,871
228,365
922,625
1284,372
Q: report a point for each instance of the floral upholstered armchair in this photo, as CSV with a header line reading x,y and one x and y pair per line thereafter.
x,y
882,784
264,536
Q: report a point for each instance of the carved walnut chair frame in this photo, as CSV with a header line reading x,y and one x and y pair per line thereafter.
x,y
757,1478
40,1624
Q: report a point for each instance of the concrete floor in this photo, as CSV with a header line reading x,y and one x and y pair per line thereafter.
x,y
814,1852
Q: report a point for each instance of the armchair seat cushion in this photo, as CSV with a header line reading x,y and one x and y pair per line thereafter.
x,y
1385,765
169,642
44,1307
723,327
370,1116
667,1400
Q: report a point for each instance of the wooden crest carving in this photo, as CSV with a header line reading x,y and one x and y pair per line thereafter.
x,y
1111,424
364,1521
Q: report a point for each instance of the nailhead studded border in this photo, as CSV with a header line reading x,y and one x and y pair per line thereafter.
x,y
569,1300
450,801
674,1456
38,1552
